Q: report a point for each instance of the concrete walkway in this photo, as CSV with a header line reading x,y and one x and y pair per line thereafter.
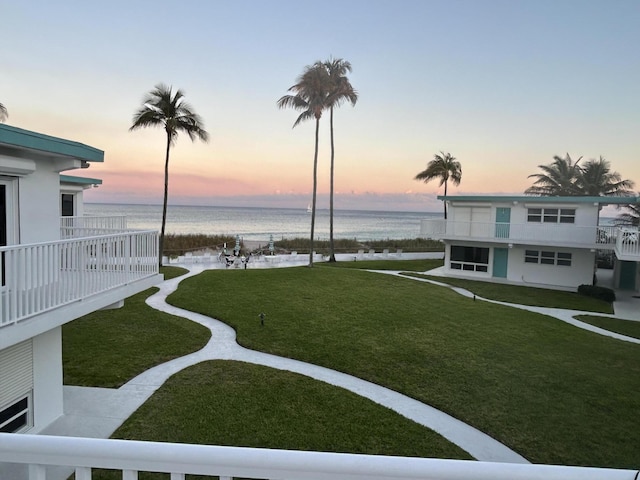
x,y
97,412
625,307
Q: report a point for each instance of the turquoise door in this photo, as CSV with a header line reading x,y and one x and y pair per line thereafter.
x,y
500,261
628,275
503,217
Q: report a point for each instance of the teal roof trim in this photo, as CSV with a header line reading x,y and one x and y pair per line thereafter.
x,y
17,137
80,180
536,199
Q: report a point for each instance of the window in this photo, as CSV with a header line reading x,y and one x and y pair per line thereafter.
x,y
67,205
551,215
545,257
471,259
16,416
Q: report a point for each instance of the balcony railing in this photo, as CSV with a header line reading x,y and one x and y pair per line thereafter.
x,y
42,276
558,233
628,243
87,226
131,457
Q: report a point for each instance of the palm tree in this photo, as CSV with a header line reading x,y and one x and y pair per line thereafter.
x,y
3,113
443,167
340,91
631,217
310,95
161,107
597,179
557,179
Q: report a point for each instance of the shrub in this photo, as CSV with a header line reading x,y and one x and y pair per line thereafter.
x,y
594,291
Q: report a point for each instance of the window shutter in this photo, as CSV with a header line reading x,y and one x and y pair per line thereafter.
x,y
16,372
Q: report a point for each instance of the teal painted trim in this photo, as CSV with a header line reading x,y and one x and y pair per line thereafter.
x,y
532,199
17,137
80,180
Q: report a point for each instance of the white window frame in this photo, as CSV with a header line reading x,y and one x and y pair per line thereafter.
x,y
548,257
551,215
28,411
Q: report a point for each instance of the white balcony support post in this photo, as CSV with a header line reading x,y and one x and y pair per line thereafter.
x,y
83,473
129,475
37,472
179,476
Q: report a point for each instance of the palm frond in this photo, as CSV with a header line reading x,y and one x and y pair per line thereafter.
x,y
4,114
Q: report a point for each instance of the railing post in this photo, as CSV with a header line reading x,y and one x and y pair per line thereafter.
x,y
83,473
37,472
129,475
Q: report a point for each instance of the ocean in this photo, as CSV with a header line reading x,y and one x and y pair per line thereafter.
x,y
261,223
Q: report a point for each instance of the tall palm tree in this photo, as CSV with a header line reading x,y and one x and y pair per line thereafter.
x,y
340,91
557,179
3,113
443,167
631,217
597,179
310,96
163,108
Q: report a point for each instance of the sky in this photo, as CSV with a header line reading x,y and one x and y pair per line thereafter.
x,y
502,85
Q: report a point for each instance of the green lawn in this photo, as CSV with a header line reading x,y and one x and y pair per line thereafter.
x,y
553,392
240,404
629,328
109,347
539,297
403,265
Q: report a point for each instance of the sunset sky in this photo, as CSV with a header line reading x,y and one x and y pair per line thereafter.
x,y
501,85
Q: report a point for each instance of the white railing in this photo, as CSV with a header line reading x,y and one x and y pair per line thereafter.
x,y
86,226
131,457
628,242
42,276
566,234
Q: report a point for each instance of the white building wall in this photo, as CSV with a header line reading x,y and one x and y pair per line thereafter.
x,y
47,378
531,274
39,198
580,272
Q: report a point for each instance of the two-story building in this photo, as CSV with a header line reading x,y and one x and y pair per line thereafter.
x,y
536,241
53,272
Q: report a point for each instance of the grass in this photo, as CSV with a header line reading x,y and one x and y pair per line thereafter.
x,y
552,392
109,347
629,328
539,297
236,398
402,265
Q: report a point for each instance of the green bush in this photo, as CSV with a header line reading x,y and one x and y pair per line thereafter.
x,y
594,291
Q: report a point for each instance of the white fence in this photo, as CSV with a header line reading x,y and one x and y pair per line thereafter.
x,y
41,276
628,242
86,226
131,457
566,234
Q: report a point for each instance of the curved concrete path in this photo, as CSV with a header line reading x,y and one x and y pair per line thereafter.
x,y
223,346
567,316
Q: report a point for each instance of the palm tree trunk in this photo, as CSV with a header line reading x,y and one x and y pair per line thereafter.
x,y
164,202
445,202
315,188
332,251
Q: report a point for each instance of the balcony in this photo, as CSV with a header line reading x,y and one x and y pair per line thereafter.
x,y
624,241
47,284
31,454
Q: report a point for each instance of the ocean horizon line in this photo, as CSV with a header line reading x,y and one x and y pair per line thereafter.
x,y
429,213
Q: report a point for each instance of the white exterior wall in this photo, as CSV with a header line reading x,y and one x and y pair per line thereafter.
x,y
47,378
39,203
533,274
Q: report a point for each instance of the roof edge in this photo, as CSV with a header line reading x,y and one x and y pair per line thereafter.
x,y
26,139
